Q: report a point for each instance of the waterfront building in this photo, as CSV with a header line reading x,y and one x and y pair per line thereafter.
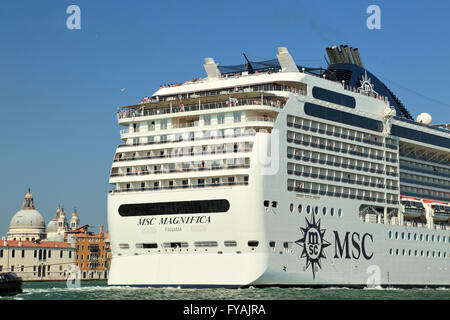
x,y
92,252
36,260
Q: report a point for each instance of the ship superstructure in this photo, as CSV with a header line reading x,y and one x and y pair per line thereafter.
x,y
270,173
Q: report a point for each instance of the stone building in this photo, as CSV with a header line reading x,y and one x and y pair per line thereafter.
x,y
38,260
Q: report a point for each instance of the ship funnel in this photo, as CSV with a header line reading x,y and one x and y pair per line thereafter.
x,y
344,55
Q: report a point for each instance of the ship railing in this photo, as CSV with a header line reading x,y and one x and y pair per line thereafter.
x,y
236,135
438,173
180,170
276,103
213,151
426,183
196,186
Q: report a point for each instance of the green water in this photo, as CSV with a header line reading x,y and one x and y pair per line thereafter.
x,y
99,290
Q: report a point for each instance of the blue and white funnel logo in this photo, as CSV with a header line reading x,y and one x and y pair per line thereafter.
x,y
313,244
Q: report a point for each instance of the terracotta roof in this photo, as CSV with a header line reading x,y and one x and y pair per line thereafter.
x,y
42,244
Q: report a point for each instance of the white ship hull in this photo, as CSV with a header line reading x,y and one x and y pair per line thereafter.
x,y
358,236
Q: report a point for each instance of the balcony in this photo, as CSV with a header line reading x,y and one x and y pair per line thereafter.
x,y
271,101
196,186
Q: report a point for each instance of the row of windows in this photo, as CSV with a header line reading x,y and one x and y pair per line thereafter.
x,y
181,244
416,253
193,136
180,167
418,237
422,180
420,136
341,192
39,254
185,151
337,161
340,176
418,192
340,132
338,146
315,209
423,168
183,183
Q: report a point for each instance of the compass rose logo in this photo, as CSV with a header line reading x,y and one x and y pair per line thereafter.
x,y
366,84
313,244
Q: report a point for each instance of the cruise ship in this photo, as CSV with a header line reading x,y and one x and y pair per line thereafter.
x,y
271,173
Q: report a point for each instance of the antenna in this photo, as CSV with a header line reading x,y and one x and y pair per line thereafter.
x,y
250,68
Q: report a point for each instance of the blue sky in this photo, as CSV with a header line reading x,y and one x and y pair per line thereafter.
x,y
60,89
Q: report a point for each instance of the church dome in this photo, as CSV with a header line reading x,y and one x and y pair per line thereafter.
x,y
52,226
28,217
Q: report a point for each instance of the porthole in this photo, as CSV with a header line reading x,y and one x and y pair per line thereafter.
x,y
390,252
308,209
409,252
415,253
445,254
340,212
403,236
396,235
415,236
421,253
409,236
332,212
299,208
427,238
421,237
439,254
396,252
403,252
291,207
324,211
438,239
428,253
390,234
433,254
432,238
316,210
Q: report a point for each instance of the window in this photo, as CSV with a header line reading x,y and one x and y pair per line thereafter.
x,y
308,209
237,116
253,243
13,253
334,97
230,243
291,207
220,118
163,124
181,207
343,117
206,120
